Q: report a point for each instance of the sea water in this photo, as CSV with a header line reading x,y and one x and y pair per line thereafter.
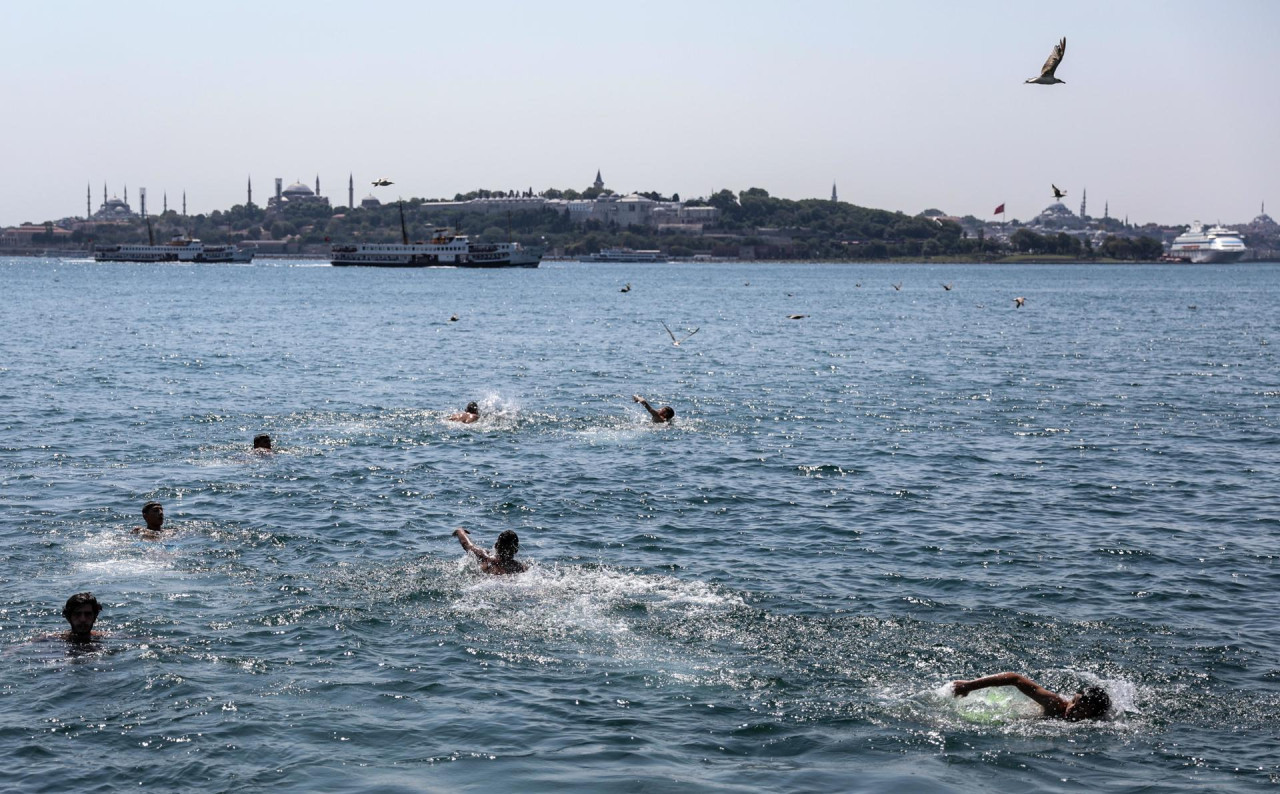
x,y
850,510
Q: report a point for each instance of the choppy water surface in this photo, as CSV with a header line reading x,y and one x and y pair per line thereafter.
x,y
849,511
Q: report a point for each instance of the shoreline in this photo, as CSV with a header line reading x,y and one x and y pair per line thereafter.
x,y
1012,260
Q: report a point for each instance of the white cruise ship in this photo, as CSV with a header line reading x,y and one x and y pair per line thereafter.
x,y
179,249
1215,244
443,250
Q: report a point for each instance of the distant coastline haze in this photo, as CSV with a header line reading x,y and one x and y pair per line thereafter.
x,y
1166,114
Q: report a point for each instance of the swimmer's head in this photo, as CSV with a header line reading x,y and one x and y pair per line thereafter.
x,y
81,612
153,514
262,441
79,600
667,412
472,408
1090,703
507,545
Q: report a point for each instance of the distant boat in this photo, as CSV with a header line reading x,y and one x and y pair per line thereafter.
x,y
443,250
625,255
1215,244
179,249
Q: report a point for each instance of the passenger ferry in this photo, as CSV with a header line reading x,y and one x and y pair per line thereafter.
x,y
1215,244
625,255
444,249
179,249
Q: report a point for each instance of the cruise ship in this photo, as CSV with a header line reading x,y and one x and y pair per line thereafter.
x,y
1215,244
179,249
625,255
444,249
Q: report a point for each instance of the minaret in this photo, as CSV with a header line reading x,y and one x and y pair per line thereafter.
x,y
184,203
834,197
317,186
1106,210
104,194
142,198
166,203
351,191
1084,196
279,182
249,202
126,195
88,201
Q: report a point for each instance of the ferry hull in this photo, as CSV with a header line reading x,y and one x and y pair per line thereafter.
x,y
1203,257
472,256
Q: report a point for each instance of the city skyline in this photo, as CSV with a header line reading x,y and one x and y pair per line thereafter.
x,y
922,105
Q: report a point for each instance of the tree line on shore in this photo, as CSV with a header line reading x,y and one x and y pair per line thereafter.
x,y
749,222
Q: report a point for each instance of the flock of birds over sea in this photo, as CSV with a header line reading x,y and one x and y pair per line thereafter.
x,y
1047,76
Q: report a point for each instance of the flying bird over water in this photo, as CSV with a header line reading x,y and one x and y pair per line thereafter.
x,y
1017,302
675,341
897,287
1050,66
796,316
382,182
1057,194
947,286
626,288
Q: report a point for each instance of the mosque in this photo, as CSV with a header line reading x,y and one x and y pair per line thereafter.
x,y
295,195
112,209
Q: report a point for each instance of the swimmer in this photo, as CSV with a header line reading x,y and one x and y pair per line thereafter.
x,y
1090,703
262,443
153,514
471,414
502,560
664,414
81,611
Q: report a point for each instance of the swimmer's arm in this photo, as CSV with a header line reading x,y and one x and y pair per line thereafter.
x,y
647,407
1049,701
467,545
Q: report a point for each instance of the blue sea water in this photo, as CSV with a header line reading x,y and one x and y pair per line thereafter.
x,y
849,511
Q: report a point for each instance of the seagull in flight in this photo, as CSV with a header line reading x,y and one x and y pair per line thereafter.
x,y
1057,194
1017,302
675,341
897,287
626,288
1050,66
382,182
796,316
947,286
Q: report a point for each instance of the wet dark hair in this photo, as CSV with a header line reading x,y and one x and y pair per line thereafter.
x,y
78,600
150,505
507,545
667,412
1094,704
472,408
262,441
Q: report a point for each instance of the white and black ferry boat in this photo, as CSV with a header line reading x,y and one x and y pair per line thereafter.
x,y
625,255
179,249
444,249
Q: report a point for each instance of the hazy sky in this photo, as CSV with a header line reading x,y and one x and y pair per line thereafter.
x,y
1169,110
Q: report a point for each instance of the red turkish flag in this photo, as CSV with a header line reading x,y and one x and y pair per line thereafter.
x,y
999,210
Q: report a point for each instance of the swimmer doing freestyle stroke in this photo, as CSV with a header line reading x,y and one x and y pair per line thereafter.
x,y
664,414
502,560
1089,703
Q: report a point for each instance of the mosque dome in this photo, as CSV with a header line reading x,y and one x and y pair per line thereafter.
x,y
297,189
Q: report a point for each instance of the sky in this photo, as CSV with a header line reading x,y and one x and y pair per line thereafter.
x,y
1168,113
